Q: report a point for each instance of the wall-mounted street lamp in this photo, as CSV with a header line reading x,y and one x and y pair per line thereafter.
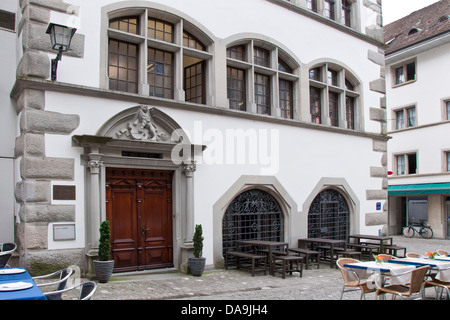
x,y
60,37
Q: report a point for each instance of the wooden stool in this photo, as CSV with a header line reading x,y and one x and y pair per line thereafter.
x,y
289,264
308,255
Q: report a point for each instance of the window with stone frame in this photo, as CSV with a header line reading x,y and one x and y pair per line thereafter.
x,y
404,73
143,54
447,110
405,117
346,13
447,158
406,164
312,5
333,96
329,9
270,73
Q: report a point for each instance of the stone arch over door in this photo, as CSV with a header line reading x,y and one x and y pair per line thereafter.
x,y
266,184
345,192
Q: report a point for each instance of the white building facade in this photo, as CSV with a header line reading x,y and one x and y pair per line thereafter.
x,y
418,112
257,119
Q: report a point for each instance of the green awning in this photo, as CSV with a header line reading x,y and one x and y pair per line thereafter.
x,y
426,188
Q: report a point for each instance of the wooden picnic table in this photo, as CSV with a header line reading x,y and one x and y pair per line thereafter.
x,y
270,245
332,243
381,240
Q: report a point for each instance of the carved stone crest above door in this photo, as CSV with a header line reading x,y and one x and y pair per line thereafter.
x,y
143,123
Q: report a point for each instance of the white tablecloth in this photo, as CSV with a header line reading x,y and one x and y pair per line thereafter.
x,y
441,264
443,270
394,269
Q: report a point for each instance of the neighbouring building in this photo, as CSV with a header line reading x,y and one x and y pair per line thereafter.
x,y
418,113
257,119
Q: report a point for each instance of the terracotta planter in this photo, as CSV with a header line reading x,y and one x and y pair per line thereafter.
x,y
197,266
103,270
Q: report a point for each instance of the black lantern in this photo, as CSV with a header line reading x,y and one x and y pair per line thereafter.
x,y
60,37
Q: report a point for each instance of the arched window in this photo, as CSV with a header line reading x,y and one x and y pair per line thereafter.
x,y
261,79
147,56
252,215
333,96
329,216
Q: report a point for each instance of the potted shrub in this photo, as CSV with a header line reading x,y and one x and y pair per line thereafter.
x,y
197,263
103,267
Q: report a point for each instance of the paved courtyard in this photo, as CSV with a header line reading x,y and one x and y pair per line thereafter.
x,y
316,284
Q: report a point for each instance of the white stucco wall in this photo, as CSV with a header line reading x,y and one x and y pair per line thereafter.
x,y
429,137
8,122
303,156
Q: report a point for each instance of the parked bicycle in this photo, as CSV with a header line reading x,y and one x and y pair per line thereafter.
x,y
421,228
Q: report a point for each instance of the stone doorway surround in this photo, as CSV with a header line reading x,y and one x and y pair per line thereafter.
x,y
148,137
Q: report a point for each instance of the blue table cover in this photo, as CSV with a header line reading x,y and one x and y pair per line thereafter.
x,y
33,293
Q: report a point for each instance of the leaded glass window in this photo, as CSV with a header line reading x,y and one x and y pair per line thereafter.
x,y
122,66
236,88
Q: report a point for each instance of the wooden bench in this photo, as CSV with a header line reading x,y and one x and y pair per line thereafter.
x,y
288,264
250,256
365,249
308,255
394,249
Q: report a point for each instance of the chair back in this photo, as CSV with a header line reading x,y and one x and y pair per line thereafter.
x,y
64,276
7,246
417,278
4,258
442,253
87,290
412,255
347,275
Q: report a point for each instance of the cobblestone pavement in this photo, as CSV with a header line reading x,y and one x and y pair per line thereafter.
x,y
316,284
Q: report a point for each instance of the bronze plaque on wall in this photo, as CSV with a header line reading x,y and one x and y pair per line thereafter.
x,y
63,192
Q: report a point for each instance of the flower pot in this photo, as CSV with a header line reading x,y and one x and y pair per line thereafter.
x,y
197,266
103,270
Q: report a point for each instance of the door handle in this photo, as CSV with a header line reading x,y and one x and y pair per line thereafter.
x,y
144,230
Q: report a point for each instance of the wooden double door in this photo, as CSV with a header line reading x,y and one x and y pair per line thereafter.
x,y
139,208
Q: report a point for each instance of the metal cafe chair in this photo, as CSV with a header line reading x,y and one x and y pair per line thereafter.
x,y
4,259
87,290
352,282
63,274
8,246
415,285
6,251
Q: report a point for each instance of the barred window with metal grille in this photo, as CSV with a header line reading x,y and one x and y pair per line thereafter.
x,y
253,215
329,216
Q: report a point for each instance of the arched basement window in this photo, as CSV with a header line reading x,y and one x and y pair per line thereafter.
x,y
329,216
252,215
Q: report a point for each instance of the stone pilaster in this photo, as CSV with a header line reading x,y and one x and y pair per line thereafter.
x,y
188,247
